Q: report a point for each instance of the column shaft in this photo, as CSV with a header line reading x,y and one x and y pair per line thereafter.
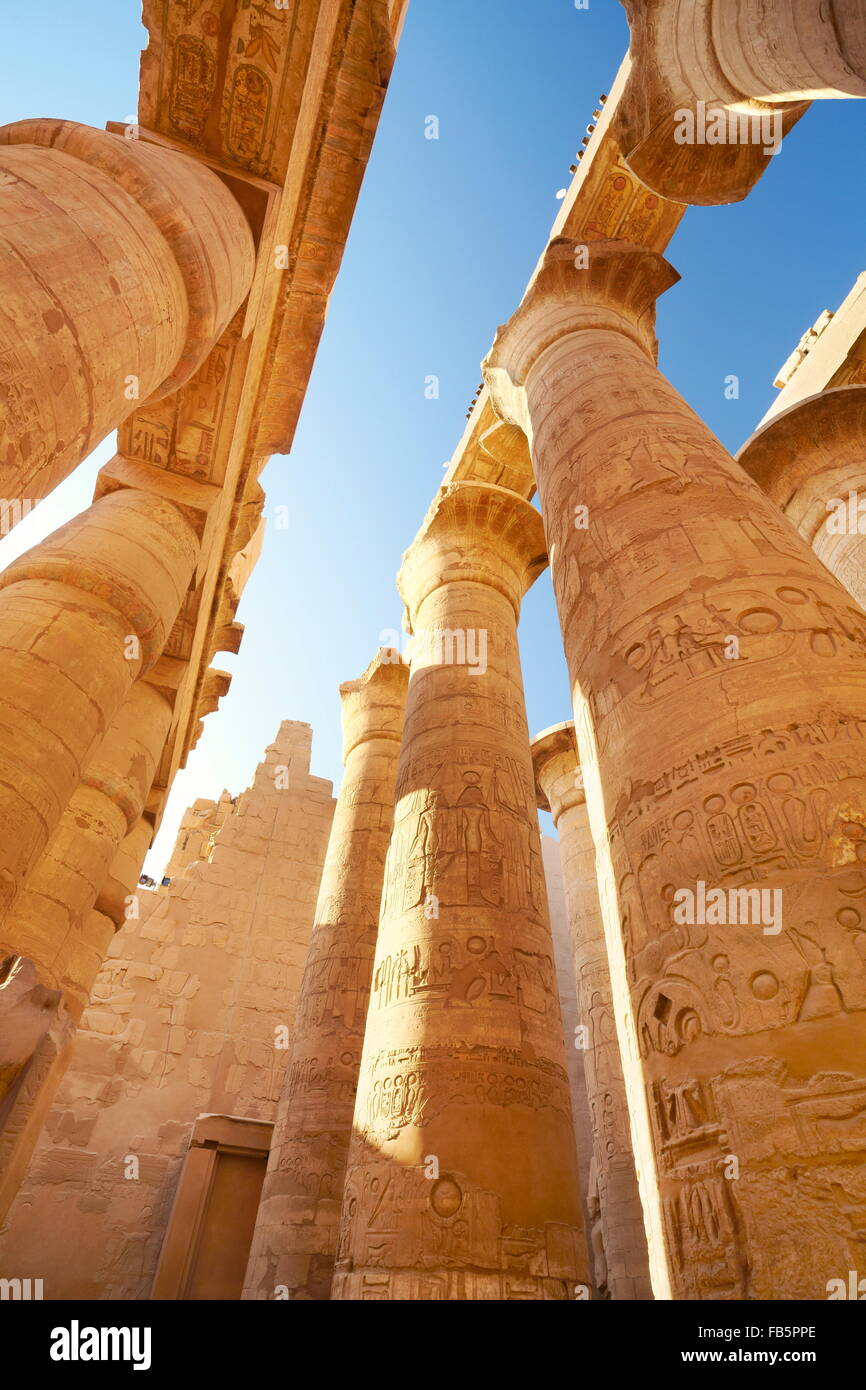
x,y
618,1237
791,49
53,935
719,682
81,616
46,920
296,1231
462,1177
125,871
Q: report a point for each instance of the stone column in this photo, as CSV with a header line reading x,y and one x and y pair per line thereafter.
x,y
82,616
45,921
719,681
296,1232
125,871
714,87
122,264
54,940
462,1177
810,460
618,1237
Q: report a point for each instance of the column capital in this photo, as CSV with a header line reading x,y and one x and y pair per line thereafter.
x,y
474,533
809,460
818,437
607,284
556,764
373,705
192,208
713,89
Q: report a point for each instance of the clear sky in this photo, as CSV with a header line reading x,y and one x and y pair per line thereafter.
x,y
445,237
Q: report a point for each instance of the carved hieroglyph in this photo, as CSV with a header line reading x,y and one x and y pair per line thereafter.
x,y
744,71
719,684
618,1239
189,1015
461,1180
299,1216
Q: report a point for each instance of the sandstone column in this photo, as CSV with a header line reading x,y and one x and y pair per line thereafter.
x,y
462,1177
122,263
618,1237
810,460
82,615
44,922
124,872
719,681
54,941
296,1231
714,87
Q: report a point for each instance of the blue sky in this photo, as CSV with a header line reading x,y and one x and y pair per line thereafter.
x,y
445,237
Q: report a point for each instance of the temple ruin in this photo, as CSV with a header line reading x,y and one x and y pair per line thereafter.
x,y
397,1044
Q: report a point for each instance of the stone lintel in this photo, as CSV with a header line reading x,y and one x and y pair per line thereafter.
x,y
234,1132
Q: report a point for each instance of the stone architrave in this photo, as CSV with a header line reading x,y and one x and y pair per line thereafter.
x,y
462,1176
299,1215
618,1239
714,87
123,262
719,684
